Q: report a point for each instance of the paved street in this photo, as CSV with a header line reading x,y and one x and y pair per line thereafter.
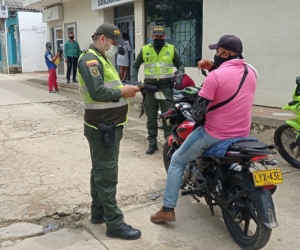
x,y
45,166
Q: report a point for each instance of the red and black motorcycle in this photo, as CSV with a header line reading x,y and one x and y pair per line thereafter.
x,y
239,182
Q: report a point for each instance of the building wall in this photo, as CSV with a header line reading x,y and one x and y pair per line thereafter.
x,y
87,21
33,37
270,31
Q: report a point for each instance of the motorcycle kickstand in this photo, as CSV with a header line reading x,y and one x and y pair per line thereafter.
x,y
195,198
212,212
209,203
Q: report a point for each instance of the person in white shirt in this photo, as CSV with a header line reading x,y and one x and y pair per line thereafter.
x,y
123,58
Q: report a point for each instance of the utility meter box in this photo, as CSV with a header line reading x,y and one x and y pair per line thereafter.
x,y
3,11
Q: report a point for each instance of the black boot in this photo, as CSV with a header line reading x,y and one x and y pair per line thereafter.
x,y
125,232
151,150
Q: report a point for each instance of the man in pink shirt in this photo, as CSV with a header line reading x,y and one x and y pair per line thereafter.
x,y
228,121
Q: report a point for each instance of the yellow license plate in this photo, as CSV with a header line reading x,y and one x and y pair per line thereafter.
x,y
267,177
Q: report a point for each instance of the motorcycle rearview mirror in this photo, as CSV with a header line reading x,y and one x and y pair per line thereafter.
x,y
298,81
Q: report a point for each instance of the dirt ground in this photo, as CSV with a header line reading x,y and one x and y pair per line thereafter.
x,y
45,167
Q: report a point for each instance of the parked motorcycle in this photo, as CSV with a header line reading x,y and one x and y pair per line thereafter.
x,y
176,95
286,136
239,182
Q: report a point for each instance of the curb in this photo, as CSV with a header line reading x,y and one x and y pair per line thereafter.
x,y
73,88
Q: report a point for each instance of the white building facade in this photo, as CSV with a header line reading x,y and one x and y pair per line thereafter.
x,y
33,33
269,30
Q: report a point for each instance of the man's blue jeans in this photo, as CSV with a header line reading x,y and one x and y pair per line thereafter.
x,y
196,143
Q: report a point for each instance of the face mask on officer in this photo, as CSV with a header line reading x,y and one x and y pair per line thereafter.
x,y
158,43
158,40
111,51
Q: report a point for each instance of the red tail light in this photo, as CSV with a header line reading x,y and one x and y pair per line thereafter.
x,y
261,157
268,187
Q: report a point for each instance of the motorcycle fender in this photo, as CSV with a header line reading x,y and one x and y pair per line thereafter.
x,y
294,123
265,208
286,107
170,140
264,202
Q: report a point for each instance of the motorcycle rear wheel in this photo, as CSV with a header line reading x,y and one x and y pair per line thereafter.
x,y
285,140
242,231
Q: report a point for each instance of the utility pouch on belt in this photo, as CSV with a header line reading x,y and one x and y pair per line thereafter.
x,y
150,88
109,133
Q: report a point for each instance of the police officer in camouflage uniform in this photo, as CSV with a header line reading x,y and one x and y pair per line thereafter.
x,y
106,107
158,58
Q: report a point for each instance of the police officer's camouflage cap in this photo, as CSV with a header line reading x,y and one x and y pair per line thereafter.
x,y
110,31
159,30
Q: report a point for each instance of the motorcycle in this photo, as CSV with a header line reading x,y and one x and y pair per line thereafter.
x,y
239,182
176,95
286,136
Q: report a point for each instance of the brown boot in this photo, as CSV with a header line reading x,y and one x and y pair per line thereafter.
x,y
161,216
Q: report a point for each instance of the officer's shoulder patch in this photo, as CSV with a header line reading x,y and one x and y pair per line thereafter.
x,y
91,63
94,71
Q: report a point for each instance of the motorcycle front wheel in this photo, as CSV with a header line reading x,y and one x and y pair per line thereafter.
x,y
166,157
285,139
247,230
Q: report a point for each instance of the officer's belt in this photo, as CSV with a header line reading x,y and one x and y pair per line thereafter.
x,y
166,85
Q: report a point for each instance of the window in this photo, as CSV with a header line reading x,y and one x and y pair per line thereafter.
x,y
183,25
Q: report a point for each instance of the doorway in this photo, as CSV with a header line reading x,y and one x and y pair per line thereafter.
x,y
58,42
124,20
70,27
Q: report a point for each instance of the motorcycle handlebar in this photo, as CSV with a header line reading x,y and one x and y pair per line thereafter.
x,y
203,72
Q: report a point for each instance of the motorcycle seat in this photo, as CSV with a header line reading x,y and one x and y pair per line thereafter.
x,y
221,148
257,145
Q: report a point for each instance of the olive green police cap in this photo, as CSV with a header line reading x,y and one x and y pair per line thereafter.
x,y
110,31
159,30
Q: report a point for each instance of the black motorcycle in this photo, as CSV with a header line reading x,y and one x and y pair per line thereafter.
x,y
239,182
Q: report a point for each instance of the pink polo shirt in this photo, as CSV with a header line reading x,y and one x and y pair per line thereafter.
x,y
233,119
